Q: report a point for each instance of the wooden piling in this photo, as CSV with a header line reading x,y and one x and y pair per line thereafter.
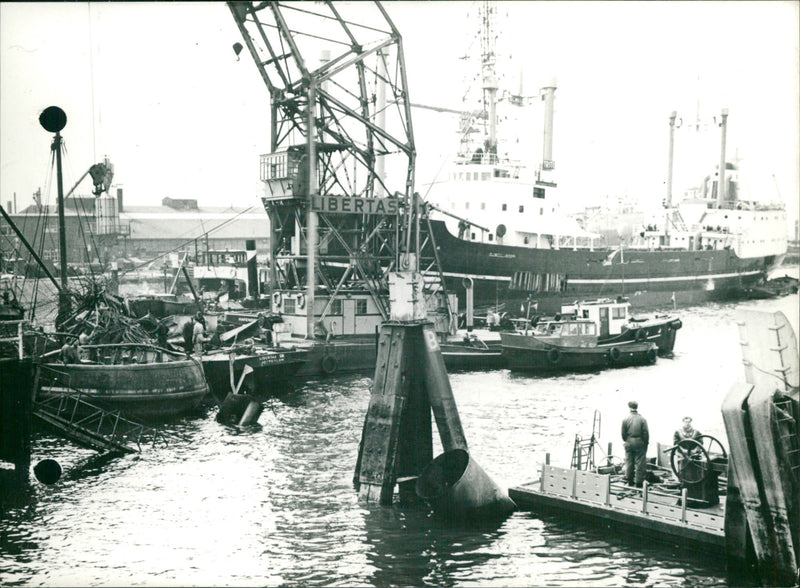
x,y
376,475
410,382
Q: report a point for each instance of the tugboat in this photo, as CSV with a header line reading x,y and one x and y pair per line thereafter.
x,y
617,326
571,344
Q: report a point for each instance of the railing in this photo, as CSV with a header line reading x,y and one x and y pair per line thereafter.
x,y
86,423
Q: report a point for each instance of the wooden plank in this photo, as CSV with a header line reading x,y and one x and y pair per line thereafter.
x,y
387,402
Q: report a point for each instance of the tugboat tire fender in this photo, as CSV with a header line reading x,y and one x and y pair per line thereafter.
x,y
640,335
554,356
651,355
329,364
614,354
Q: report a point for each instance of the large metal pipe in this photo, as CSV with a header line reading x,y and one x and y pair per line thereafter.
x,y
721,176
456,487
548,95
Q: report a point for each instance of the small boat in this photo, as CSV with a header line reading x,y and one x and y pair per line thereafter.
x,y
616,325
269,365
139,380
571,344
472,352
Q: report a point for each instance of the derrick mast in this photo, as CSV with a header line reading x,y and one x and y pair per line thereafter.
x,y
339,177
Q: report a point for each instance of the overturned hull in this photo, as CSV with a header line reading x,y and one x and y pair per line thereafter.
x,y
140,381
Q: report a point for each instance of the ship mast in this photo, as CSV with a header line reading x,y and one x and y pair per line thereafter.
x,y
489,74
53,120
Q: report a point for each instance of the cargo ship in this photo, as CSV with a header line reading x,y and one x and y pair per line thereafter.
x,y
497,225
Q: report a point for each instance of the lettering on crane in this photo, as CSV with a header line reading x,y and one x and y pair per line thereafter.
x,y
354,205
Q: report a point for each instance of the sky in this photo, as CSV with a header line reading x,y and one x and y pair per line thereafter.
x,y
157,88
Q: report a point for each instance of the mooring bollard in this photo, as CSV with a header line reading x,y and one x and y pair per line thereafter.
x,y
456,487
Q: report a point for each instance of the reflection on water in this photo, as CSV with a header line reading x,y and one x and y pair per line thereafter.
x,y
274,504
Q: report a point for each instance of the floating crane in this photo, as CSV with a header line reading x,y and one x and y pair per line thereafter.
x,y
339,178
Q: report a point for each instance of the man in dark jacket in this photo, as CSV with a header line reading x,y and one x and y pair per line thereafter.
x,y
188,335
635,437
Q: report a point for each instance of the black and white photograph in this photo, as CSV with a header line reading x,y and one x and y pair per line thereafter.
x,y
400,293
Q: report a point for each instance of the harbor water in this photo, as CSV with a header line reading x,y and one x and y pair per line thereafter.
x,y
275,504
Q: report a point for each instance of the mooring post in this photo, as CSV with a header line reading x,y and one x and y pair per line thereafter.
x,y
376,474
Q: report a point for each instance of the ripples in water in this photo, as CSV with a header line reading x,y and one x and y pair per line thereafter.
x,y
274,504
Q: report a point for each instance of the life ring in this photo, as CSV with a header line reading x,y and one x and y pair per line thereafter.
x,y
554,356
301,301
329,364
276,299
640,335
557,317
614,354
651,355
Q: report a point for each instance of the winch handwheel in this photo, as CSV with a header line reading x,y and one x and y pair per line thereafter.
x,y
690,461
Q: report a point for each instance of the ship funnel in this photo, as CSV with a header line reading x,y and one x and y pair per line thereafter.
x,y
548,96
721,177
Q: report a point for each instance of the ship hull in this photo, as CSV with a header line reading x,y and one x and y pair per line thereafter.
x,y
552,277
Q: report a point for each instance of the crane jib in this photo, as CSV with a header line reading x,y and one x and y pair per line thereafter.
x,y
354,205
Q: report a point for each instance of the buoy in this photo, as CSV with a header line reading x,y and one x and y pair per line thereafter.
x,y
47,471
455,486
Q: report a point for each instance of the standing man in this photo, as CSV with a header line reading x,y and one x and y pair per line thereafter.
x,y
635,437
188,335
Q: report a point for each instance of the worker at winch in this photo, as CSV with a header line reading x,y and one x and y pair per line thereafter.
x,y
691,450
636,437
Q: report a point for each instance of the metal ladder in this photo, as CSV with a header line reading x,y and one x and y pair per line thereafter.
x,y
90,426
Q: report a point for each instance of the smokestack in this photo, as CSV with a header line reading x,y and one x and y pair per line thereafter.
x,y
721,176
119,200
548,96
252,271
673,115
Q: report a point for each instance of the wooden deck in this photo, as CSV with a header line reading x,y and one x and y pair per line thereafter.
x,y
660,514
